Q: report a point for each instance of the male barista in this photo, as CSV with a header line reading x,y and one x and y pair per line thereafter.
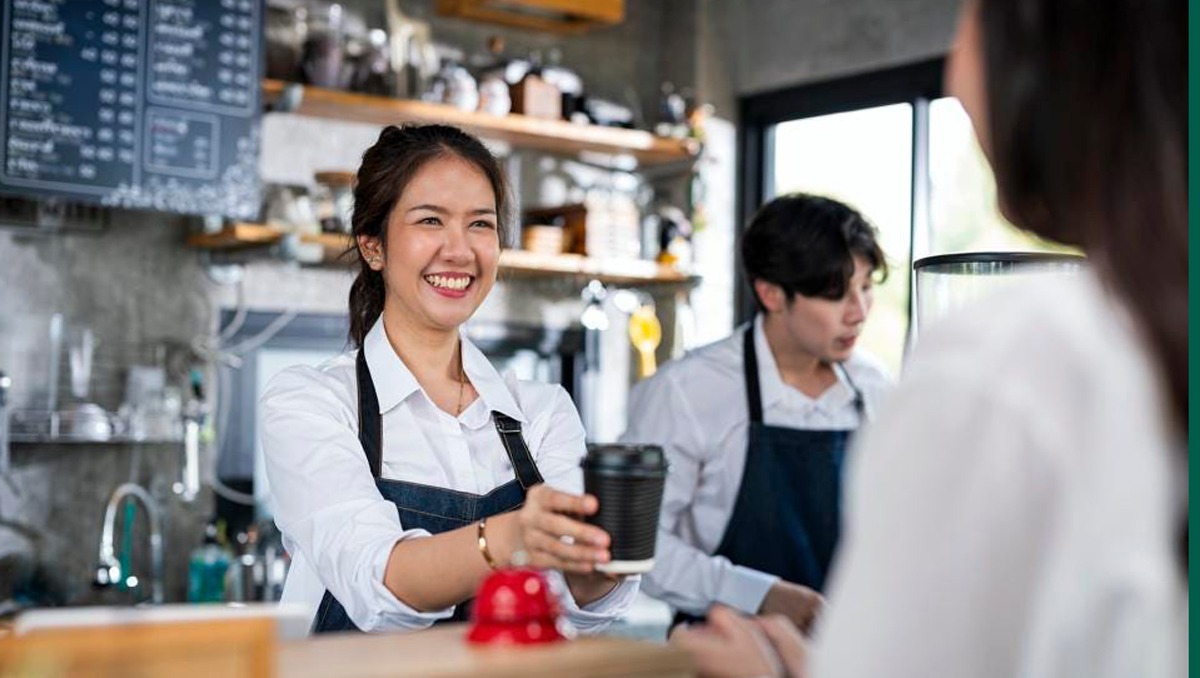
x,y
755,426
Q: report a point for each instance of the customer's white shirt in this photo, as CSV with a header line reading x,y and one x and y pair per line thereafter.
x,y
1014,509
695,407
340,530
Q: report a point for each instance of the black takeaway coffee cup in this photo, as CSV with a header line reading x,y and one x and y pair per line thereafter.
x,y
628,482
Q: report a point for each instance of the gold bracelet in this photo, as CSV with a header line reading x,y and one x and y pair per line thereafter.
x,y
483,547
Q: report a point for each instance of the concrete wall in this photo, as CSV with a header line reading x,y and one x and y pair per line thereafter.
x,y
137,288
781,43
52,508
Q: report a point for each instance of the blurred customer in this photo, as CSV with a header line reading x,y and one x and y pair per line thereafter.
x,y
1020,508
756,426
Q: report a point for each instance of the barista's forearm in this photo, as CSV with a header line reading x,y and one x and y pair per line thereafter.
x,y
445,569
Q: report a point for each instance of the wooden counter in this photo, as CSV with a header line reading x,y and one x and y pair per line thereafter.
x,y
250,648
443,651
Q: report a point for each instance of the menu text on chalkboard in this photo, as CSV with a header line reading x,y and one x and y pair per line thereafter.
x,y
147,104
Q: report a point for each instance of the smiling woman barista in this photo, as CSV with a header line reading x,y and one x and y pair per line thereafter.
x,y
755,426
402,471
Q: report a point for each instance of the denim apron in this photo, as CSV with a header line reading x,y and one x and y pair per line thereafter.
x,y
435,509
787,516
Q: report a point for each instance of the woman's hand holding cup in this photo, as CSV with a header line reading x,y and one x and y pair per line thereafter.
x,y
551,536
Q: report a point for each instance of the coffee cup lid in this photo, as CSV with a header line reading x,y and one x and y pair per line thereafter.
x,y
625,458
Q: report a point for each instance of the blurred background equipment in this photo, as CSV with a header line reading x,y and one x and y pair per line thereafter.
x,y
645,332
947,282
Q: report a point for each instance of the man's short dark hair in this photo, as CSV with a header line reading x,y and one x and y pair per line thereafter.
x,y
806,245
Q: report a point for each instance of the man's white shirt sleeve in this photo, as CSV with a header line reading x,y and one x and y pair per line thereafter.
x,y
684,576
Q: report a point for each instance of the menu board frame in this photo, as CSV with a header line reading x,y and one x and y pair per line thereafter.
x,y
83,114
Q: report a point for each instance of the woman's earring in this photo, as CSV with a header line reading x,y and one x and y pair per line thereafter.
x,y
373,261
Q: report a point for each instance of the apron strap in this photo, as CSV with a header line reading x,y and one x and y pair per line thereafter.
x,y
518,452
754,396
370,424
860,406
370,432
750,370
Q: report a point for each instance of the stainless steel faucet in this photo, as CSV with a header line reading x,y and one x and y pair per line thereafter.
x,y
108,572
5,385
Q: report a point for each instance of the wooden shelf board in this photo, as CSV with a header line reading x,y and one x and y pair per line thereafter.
x,y
512,262
554,136
236,236
334,244
567,17
619,271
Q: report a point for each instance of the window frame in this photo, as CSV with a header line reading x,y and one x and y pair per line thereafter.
x,y
917,84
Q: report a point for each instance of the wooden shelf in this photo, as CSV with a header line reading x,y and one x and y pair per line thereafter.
x,y
236,236
553,136
613,271
566,17
512,262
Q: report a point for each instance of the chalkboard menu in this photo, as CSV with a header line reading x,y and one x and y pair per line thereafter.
x,y
150,104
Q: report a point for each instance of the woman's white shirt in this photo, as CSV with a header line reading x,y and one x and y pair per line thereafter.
x,y
340,531
695,407
1014,510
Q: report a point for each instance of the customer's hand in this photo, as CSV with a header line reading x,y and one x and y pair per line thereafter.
x,y
729,646
548,530
789,645
799,604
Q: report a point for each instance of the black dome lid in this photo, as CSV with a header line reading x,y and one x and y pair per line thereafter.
x,y
625,458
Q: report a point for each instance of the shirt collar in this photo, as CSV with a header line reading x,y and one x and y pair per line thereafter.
x,y
770,383
394,382
492,389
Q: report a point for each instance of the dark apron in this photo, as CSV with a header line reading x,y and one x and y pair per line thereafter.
x,y
787,517
434,509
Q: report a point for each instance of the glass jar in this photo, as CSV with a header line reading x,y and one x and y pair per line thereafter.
x,y
948,282
323,59
334,198
285,32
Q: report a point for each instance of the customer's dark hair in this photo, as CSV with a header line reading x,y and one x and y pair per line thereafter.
x,y
806,244
387,168
1087,126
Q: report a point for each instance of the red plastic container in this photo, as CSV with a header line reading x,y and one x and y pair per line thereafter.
x,y
515,606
